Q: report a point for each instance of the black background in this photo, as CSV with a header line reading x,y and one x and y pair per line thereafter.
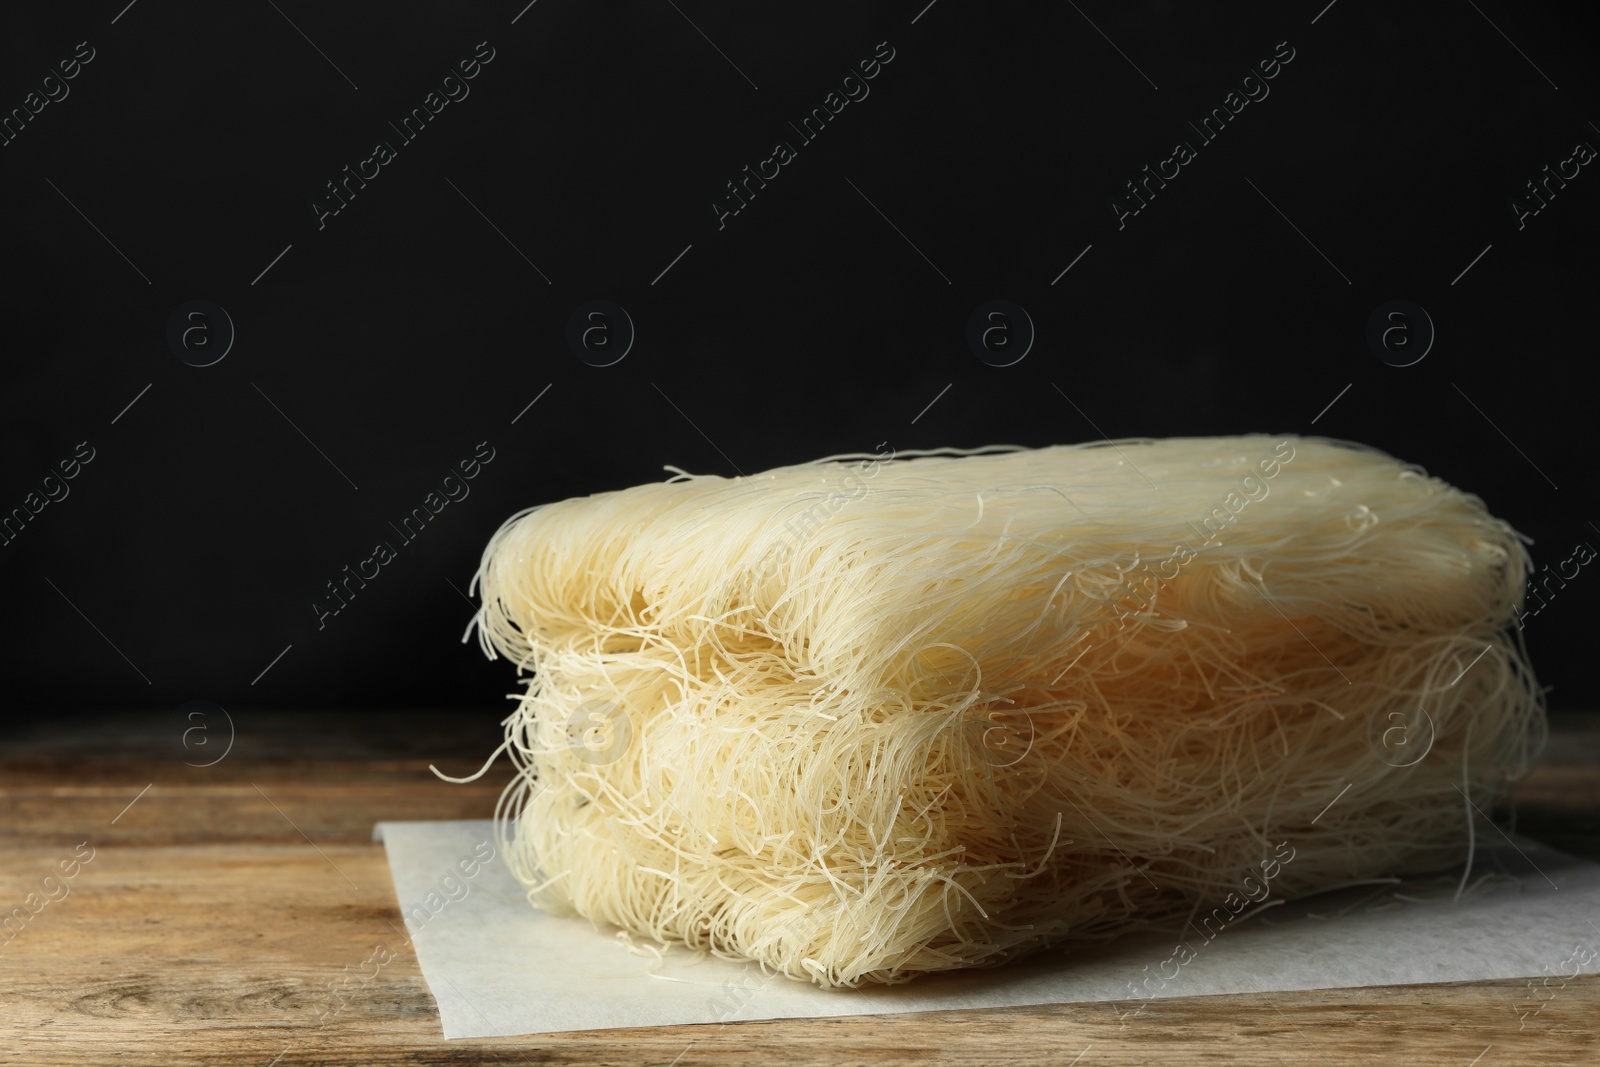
x,y
379,350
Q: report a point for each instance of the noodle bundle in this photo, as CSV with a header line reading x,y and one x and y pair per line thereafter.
x,y
871,717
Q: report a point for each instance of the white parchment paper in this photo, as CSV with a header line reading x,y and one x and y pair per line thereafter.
x,y
497,966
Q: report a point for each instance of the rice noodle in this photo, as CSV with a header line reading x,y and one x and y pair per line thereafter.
x,y
862,719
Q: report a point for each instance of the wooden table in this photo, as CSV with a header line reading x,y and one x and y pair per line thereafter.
x,y
220,902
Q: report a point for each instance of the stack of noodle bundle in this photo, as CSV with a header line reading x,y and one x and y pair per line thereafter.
x,y
872,717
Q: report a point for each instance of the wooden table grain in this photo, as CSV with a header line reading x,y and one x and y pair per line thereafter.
x,y
222,901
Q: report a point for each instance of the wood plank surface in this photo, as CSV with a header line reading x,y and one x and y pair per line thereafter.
x,y
218,908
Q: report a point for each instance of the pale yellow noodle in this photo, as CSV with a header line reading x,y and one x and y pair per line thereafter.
x,y
886,717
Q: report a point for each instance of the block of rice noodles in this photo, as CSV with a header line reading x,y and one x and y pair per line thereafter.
x,y
882,715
